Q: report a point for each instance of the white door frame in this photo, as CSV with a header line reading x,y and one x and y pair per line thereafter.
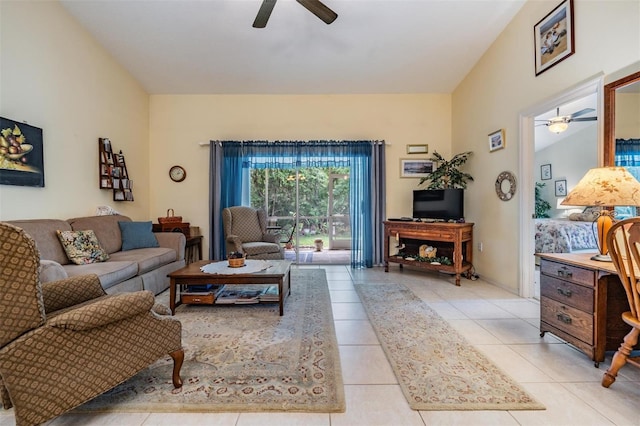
x,y
592,85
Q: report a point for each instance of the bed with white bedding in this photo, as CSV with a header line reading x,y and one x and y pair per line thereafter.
x,y
564,236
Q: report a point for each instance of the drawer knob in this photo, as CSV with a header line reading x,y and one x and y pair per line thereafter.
x,y
566,293
564,272
564,318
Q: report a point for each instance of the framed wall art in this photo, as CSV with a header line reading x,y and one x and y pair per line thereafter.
x,y
415,168
553,37
417,149
561,188
496,140
21,158
545,172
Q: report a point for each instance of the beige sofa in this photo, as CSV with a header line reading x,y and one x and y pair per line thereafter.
x,y
124,271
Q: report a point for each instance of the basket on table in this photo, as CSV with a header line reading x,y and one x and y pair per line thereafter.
x,y
170,218
236,259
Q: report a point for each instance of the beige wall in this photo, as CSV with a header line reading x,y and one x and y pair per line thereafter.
x,y
585,142
180,123
53,75
501,86
628,114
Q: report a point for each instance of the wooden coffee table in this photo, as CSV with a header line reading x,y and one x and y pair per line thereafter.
x,y
278,273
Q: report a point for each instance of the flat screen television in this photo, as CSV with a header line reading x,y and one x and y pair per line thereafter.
x,y
445,204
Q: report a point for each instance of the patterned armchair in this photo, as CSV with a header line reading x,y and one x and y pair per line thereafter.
x,y
65,342
245,230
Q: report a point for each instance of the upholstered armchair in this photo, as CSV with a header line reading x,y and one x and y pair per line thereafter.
x,y
65,342
245,230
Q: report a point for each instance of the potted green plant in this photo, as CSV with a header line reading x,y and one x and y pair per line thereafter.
x,y
447,174
542,206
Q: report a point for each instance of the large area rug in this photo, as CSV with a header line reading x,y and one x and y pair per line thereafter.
x,y
436,367
246,358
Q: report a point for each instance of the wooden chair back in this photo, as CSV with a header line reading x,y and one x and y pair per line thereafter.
x,y
623,241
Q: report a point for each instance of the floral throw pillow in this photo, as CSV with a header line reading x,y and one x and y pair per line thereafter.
x,y
82,247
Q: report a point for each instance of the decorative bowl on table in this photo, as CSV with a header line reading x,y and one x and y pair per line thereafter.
x,y
236,259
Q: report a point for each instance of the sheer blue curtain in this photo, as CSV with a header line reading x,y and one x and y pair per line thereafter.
x,y
366,162
628,152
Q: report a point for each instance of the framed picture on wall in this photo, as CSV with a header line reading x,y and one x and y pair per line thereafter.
x,y
21,154
561,188
553,37
496,140
415,168
545,172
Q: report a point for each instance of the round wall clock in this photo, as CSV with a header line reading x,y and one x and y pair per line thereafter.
x,y
177,173
506,186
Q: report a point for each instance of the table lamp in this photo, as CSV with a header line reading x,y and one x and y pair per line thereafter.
x,y
605,187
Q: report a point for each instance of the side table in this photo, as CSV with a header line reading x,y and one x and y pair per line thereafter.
x,y
193,249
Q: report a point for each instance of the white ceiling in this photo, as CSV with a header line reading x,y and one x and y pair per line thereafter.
x,y
375,46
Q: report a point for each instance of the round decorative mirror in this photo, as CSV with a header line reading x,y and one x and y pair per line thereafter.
x,y
506,186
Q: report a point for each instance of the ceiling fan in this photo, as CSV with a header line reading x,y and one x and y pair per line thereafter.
x,y
314,6
560,123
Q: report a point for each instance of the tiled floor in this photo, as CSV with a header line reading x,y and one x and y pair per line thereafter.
x,y
498,323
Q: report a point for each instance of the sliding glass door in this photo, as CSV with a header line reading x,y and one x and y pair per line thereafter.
x,y
339,229
308,208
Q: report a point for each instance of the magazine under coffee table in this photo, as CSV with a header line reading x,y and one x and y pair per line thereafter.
x,y
278,273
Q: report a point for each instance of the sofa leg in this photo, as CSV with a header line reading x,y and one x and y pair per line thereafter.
x,y
178,358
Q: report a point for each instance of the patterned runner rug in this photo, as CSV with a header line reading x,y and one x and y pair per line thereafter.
x,y
246,358
436,367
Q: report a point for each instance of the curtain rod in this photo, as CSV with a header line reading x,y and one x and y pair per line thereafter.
x,y
220,142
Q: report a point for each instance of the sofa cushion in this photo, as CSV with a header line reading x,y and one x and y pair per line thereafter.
x,y
137,235
43,231
147,259
106,228
110,273
258,248
82,247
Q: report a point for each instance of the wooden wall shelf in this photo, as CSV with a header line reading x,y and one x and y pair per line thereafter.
x,y
113,172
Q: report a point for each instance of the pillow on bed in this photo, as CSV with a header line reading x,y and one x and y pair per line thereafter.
x,y
589,214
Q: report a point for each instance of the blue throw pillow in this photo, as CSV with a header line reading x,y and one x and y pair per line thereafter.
x,y
137,235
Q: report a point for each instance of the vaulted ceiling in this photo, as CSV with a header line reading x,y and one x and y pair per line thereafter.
x,y
374,46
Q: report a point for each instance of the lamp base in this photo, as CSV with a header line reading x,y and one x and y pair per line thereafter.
x,y
601,257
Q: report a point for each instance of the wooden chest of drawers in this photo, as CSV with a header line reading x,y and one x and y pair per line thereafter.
x,y
581,302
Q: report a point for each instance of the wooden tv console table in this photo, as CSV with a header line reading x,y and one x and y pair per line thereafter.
x,y
454,240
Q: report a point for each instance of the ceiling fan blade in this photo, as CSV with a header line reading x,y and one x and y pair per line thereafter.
x,y
581,112
584,119
319,9
263,14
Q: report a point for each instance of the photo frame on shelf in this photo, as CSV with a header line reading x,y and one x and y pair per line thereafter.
x,y
496,140
553,37
410,168
545,172
561,188
417,149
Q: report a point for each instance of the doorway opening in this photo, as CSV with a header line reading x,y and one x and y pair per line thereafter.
x,y
530,173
